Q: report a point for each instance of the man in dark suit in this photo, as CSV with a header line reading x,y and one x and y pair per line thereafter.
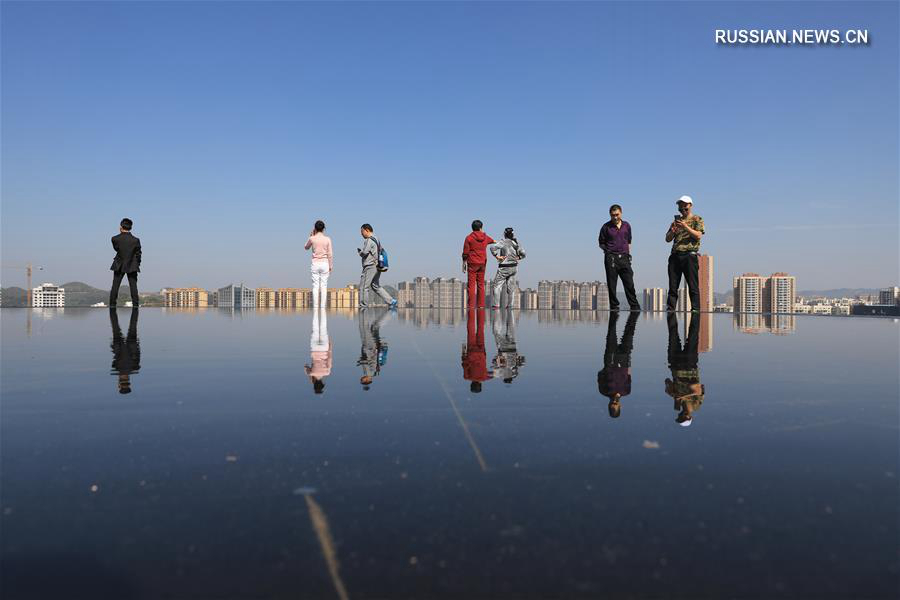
x,y
127,262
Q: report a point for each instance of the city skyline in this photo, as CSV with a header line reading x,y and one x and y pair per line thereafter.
x,y
255,122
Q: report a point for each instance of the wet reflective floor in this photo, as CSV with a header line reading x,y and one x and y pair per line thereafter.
x,y
274,454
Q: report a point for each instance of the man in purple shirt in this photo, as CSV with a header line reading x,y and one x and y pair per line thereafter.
x,y
615,241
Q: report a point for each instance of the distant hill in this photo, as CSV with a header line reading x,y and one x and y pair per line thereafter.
x,y
14,296
80,294
839,292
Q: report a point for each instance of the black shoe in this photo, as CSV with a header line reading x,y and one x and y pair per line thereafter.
x,y
613,309
635,309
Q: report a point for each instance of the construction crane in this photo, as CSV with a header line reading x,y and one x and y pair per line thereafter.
x,y
28,270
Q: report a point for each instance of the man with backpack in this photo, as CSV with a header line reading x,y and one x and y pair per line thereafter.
x,y
373,264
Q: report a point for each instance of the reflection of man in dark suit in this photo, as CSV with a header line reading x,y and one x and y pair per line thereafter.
x,y
126,352
614,381
684,386
474,354
127,262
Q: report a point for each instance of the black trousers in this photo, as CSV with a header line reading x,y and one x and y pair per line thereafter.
x,y
619,266
117,281
686,264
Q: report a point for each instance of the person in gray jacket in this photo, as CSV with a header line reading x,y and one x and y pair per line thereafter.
x,y
370,273
508,252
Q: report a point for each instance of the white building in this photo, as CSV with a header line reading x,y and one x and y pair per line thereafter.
x,y
48,295
748,293
779,292
236,296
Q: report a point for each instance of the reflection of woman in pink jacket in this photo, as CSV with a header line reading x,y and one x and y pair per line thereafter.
x,y
322,263
319,352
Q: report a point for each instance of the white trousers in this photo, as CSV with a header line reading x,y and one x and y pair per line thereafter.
x,y
319,270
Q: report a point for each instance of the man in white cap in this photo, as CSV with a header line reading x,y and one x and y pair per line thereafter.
x,y
685,233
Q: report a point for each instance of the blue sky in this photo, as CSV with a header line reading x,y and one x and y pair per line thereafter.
x,y
224,129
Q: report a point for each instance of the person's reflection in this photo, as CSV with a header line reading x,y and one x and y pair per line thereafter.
x,y
507,362
474,354
319,351
373,351
614,380
126,351
684,386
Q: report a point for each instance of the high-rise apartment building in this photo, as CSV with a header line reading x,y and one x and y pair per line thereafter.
x,y
889,296
748,293
193,297
587,294
779,292
705,277
655,299
562,298
294,298
529,299
422,293
546,292
345,297
446,293
266,297
48,295
756,294
458,293
236,296
601,301
406,294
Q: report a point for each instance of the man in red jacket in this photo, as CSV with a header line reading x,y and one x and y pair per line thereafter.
x,y
474,258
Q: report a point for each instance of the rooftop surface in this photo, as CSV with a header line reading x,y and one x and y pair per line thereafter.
x,y
221,473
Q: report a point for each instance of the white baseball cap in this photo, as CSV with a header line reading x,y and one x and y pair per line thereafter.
x,y
686,199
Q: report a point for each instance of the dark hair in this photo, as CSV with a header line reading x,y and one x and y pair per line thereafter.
x,y
318,386
508,233
475,387
367,227
477,225
126,224
319,226
614,207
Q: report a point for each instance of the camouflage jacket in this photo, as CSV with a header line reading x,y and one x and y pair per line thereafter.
x,y
685,242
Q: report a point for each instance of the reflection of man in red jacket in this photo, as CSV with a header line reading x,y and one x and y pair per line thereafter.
x,y
474,258
474,354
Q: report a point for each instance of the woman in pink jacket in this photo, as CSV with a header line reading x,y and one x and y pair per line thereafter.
x,y
322,263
